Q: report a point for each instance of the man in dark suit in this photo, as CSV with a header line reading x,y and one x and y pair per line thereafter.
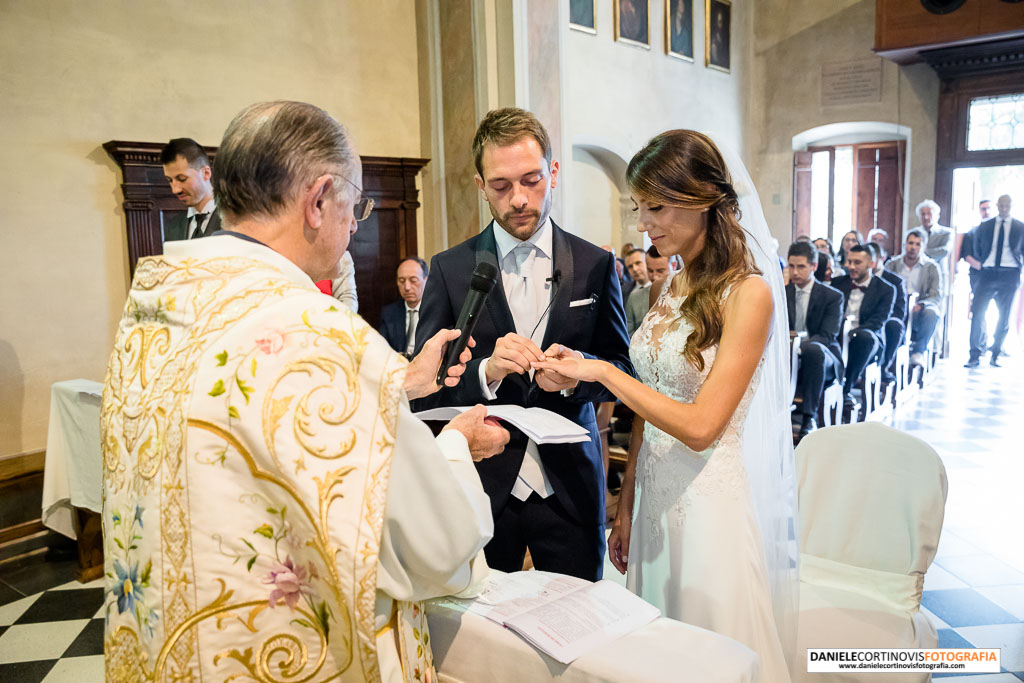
x,y
188,171
557,295
896,326
998,244
869,302
816,310
399,320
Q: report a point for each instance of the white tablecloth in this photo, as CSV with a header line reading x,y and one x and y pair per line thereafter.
x,y
73,473
469,648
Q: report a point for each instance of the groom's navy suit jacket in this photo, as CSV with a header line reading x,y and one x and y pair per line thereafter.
x,y
598,330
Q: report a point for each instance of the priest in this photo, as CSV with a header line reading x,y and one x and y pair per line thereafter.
x,y
272,509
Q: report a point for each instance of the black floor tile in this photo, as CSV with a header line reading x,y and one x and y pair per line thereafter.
x,y
35,575
88,642
63,605
26,672
8,594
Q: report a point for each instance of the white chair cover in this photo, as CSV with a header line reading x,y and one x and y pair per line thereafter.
x,y
872,501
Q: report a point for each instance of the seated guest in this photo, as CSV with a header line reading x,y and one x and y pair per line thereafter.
x,y
626,281
868,305
921,276
850,239
343,287
398,320
896,325
823,273
879,237
187,169
639,299
817,310
658,268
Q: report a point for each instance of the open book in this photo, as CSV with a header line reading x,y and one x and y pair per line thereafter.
x,y
542,426
562,616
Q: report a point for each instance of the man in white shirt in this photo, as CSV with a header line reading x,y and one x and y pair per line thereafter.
x,y
815,312
921,278
558,295
869,302
399,319
264,478
998,245
187,170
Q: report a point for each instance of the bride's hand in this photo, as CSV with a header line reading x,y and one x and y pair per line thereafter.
x,y
618,542
582,369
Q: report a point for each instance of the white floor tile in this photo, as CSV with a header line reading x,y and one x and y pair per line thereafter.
x,y
78,670
938,579
982,570
31,642
936,622
1010,598
951,545
1008,637
10,612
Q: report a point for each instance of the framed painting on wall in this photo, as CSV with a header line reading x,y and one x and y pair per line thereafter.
x,y
632,25
717,24
582,15
679,29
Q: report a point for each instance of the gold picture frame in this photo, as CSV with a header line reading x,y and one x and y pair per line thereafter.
x,y
679,34
717,35
578,12
633,23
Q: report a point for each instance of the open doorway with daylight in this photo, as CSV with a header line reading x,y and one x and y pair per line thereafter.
x,y
843,187
971,187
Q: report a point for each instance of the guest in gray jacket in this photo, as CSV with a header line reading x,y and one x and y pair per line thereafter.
x,y
921,277
938,239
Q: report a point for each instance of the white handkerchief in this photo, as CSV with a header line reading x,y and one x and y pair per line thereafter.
x,y
581,302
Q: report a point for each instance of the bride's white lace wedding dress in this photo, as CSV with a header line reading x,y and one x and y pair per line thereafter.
x,y
695,550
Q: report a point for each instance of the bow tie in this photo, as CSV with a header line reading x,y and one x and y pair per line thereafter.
x,y
862,288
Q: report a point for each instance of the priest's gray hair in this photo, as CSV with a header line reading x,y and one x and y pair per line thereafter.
x,y
271,151
936,209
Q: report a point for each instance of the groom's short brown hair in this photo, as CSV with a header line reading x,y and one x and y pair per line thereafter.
x,y
502,127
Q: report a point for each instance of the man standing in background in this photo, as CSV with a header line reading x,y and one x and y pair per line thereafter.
x,y
188,171
398,320
999,247
939,242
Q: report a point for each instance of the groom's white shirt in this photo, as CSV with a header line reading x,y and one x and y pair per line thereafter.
x,y
532,477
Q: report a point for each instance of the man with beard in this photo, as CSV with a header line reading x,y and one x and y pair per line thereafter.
x,y
558,296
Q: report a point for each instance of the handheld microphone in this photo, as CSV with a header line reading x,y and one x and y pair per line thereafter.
x,y
485,276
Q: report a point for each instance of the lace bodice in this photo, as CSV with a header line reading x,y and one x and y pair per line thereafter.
x,y
666,468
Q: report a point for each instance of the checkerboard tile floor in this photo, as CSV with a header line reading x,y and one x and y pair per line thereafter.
x,y
974,591
55,636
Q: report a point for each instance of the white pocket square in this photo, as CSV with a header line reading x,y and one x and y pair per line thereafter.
x,y
581,302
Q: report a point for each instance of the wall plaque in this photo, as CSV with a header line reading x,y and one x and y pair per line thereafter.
x,y
857,81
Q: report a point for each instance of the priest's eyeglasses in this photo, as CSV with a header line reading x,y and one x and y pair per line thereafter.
x,y
363,206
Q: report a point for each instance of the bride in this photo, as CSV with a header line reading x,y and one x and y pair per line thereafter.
x,y
704,517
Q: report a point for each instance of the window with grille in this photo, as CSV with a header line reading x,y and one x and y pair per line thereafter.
x,y
996,123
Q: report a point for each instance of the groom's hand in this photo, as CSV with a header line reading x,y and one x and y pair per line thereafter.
x,y
551,380
512,354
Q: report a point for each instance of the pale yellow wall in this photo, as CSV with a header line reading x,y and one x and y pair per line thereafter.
x,y
75,74
793,39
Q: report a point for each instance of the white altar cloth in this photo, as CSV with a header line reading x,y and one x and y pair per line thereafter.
x,y
73,474
469,648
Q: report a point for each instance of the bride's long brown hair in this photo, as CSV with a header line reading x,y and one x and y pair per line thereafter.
x,y
683,168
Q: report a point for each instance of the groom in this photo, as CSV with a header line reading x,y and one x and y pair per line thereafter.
x,y
558,295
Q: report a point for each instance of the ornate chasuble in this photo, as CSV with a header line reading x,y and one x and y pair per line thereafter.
x,y
248,428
